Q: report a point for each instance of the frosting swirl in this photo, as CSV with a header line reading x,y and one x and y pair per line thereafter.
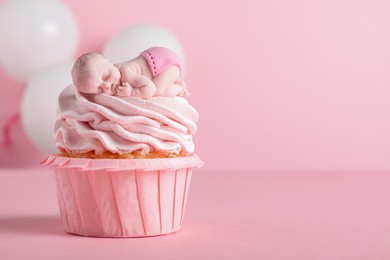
x,y
104,123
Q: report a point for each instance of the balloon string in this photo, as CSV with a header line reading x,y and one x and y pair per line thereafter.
x,y
7,130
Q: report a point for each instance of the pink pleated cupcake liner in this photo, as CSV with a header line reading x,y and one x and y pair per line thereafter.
x,y
122,197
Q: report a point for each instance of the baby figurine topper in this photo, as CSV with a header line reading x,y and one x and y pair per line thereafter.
x,y
155,72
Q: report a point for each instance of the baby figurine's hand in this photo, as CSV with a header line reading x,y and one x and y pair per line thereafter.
x,y
124,90
104,88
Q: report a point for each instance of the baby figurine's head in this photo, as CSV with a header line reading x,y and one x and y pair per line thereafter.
x,y
93,73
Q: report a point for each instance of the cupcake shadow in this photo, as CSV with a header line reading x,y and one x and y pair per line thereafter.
x,y
28,225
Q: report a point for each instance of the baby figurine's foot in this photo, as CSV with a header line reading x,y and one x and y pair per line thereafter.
x,y
124,90
177,89
184,92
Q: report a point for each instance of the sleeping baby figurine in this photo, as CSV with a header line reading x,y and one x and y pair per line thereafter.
x,y
155,72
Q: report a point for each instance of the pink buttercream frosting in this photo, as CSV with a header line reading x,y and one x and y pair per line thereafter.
x,y
105,123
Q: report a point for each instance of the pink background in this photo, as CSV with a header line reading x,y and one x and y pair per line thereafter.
x,y
279,84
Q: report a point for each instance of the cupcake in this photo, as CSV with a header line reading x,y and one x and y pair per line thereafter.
x,y
126,154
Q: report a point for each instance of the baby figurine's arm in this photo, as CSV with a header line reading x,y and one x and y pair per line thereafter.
x,y
134,84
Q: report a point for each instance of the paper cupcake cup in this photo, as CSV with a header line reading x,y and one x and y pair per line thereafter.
x,y
122,197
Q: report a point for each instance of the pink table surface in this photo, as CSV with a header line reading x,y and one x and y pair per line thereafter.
x,y
230,215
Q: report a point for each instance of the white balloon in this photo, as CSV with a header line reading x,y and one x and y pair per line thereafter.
x,y
35,35
40,102
128,43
